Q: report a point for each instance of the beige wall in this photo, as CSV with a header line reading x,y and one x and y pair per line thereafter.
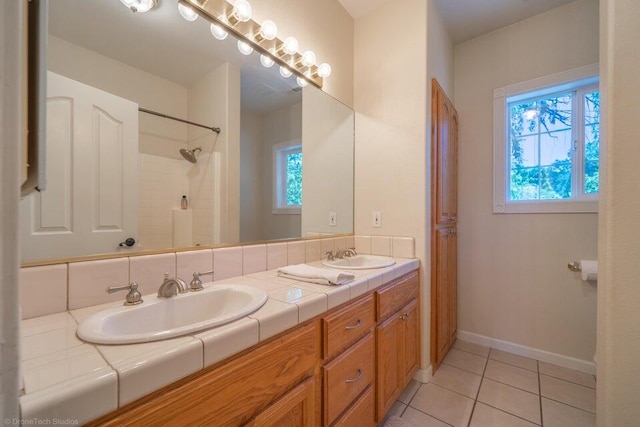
x,y
251,153
322,26
619,228
282,125
327,132
513,283
391,168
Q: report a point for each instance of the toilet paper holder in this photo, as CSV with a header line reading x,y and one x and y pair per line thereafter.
x,y
574,266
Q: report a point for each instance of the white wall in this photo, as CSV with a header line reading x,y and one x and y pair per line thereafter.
x,y
619,228
282,125
513,283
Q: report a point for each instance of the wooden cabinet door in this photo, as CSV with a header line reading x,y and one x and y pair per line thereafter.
x,y
444,157
389,375
441,293
452,283
410,341
297,408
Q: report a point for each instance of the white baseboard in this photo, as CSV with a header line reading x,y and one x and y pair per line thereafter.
x,y
424,375
533,353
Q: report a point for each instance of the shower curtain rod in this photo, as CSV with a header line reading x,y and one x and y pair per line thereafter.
x,y
155,113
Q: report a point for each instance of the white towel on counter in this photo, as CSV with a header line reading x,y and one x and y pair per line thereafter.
x,y
322,276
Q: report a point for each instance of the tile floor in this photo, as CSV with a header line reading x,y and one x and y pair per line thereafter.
x,y
479,386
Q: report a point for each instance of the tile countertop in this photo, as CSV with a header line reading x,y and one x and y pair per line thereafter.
x,y
68,380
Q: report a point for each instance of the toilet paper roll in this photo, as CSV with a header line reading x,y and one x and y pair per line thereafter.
x,y
589,270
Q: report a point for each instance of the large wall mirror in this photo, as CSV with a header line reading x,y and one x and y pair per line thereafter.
x,y
280,167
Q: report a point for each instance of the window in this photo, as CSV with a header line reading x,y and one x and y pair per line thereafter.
x,y
547,144
287,178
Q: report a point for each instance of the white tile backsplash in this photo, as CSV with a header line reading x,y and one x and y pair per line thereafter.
x,y
313,250
227,262
89,280
296,253
276,255
381,245
363,244
191,262
148,271
43,290
403,247
254,259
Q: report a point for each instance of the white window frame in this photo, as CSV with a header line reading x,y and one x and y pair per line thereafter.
x,y
280,153
555,83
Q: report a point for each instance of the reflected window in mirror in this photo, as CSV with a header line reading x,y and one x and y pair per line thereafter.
x,y
287,177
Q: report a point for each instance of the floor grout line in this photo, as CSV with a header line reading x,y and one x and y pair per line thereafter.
x,y
509,413
475,401
518,388
569,405
435,418
540,394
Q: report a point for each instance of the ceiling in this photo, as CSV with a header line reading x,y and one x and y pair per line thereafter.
x,y
162,43
466,19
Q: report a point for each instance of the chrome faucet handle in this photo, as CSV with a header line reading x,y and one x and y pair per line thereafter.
x,y
349,252
133,297
330,255
196,283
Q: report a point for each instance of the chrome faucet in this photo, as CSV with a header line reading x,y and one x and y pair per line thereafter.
x,y
132,298
171,287
345,253
196,283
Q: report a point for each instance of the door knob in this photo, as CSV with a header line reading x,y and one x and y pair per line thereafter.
x,y
129,242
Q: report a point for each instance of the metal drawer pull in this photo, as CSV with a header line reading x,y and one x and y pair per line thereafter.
x,y
357,325
353,380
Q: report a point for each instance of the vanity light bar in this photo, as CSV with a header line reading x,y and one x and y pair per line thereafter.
x,y
216,11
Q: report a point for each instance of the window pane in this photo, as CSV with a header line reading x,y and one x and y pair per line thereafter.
x,y
294,179
525,183
555,112
555,180
591,142
555,147
524,119
524,151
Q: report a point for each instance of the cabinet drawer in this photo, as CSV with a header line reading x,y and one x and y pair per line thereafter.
x,y
346,377
344,327
395,296
362,413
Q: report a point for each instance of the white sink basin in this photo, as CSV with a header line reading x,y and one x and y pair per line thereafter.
x,y
157,318
360,262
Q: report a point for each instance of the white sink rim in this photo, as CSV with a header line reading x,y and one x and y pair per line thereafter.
x,y
91,329
376,261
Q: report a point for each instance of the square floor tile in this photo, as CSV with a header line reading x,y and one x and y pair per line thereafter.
x,y
420,419
409,391
555,414
397,409
567,374
470,347
486,416
457,380
445,405
510,399
514,359
467,361
512,375
569,393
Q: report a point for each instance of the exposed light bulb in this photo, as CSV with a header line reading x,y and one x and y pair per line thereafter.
x,y
302,82
290,45
241,11
187,12
140,5
308,58
266,61
218,32
244,48
268,30
285,72
324,70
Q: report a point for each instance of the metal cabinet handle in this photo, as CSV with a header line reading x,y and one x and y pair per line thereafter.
x,y
357,325
353,380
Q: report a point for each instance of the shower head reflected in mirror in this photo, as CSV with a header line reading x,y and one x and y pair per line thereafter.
x,y
190,155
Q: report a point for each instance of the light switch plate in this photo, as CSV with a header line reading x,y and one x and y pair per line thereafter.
x,y
377,219
333,219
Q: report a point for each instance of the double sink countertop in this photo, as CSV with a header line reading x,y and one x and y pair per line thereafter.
x,y
67,379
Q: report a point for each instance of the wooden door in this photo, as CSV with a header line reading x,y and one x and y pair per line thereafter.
x,y
410,341
440,294
389,375
90,204
452,283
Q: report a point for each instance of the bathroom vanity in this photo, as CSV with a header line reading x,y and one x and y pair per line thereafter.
x,y
343,368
